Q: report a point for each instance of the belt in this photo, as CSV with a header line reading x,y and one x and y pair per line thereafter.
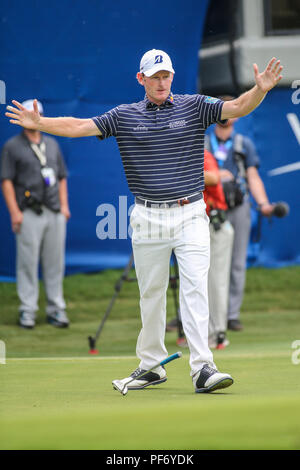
x,y
170,203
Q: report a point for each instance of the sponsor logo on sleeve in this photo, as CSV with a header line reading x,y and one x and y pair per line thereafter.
x,y
210,99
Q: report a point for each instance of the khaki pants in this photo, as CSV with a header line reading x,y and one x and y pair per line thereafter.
x,y
221,242
240,219
41,238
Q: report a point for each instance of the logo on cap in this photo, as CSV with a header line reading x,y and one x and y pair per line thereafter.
x,y
158,59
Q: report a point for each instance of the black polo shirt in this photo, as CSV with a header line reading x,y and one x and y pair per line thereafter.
x,y
20,164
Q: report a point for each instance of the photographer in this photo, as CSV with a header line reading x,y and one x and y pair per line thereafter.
x,y
34,186
221,240
238,162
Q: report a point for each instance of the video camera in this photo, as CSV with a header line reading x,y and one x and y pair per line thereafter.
x,y
217,218
32,203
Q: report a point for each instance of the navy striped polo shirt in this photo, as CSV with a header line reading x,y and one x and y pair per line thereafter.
x,y
162,147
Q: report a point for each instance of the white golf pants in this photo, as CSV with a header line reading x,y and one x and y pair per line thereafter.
x,y
155,233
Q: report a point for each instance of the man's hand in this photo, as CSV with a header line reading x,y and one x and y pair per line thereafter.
x,y
65,211
63,126
266,209
23,117
226,175
270,77
248,101
277,209
16,221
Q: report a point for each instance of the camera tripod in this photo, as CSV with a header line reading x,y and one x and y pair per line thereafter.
x,y
173,282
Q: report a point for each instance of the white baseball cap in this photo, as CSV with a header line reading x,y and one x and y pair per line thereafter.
x,y
28,104
155,60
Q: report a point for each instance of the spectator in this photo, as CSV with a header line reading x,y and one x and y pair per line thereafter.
x,y
238,164
221,240
34,186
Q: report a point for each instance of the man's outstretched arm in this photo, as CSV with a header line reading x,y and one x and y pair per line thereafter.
x,y
62,126
248,101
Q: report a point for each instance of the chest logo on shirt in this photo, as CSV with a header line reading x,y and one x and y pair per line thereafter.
x,y
176,124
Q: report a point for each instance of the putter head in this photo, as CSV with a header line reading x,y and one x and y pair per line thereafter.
x,y
120,387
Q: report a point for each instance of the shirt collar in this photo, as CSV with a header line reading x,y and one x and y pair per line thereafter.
x,y
29,141
169,102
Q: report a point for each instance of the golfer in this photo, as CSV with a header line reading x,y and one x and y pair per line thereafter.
x,y
161,141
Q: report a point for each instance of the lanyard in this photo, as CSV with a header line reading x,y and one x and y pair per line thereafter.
x,y
40,153
47,173
220,151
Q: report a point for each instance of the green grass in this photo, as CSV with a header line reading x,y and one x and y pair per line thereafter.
x,y
54,395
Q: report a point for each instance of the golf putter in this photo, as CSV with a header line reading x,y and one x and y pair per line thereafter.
x,y
123,388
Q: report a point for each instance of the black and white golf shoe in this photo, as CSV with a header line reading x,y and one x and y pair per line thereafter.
x,y
58,319
154,377
208,380
27,320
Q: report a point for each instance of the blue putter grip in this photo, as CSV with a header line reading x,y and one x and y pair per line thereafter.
x,y
171,358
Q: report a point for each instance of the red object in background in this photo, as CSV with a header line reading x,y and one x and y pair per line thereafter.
x,y
93,351
213,195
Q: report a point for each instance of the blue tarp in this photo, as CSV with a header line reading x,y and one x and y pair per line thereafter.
x,y
80,59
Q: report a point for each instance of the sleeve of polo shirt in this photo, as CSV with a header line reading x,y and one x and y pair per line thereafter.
x,y
210,110
8,164
252,159
107,123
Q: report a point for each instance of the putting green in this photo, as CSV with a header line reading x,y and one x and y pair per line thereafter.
x,y
69,403
49,400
